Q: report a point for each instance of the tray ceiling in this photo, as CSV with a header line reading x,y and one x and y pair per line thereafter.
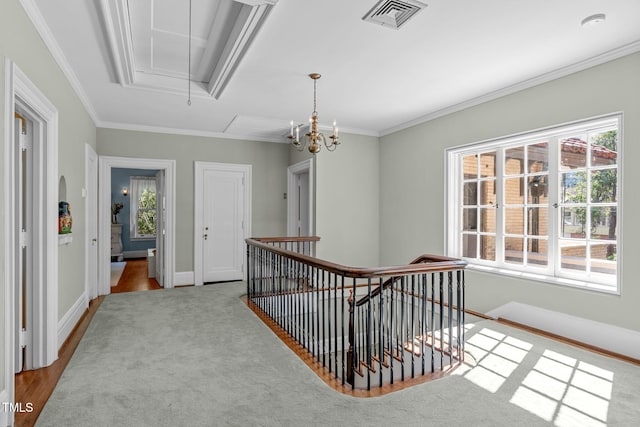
x,y
163,45
128,60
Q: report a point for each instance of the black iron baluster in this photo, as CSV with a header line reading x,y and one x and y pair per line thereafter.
x,y
423,319
392,332
413,319
323,321
316,333
342,346
307,307
402,324
441,307
464,330
433,319
335,324
450,315
380,330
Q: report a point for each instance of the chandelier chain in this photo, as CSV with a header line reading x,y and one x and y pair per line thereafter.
x,y
315,110
189,76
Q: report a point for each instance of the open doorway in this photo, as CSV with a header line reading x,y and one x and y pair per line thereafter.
x,y
300,199
30,230
135,231
133,194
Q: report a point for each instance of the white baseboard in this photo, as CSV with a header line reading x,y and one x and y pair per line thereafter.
x,y
135,254
71,318
182,278
608,337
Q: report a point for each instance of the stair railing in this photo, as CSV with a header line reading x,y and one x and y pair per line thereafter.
x,y
358,323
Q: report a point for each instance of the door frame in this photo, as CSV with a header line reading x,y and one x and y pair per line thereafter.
x,y
19,88
292,195
199,168
106,163
91,286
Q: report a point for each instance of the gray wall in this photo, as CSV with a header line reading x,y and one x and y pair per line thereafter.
x,y
347,193
348,201
413,171
20,42
269,161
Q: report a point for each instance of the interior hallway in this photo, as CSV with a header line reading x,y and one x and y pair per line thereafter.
x,y
135,278
36,386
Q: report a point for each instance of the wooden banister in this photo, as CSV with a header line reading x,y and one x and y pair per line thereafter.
x,y
437,262
423,264
313,302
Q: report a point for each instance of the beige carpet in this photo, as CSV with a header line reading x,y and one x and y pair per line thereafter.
x,y
116,272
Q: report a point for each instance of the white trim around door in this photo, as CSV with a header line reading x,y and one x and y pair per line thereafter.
x,y
91,221
200,168
19,90
293,171
106,163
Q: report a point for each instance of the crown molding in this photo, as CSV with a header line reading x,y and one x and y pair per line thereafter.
x,y
220,135
38,21
603,58
187,132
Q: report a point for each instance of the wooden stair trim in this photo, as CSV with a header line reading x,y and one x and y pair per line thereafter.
x,y
328,378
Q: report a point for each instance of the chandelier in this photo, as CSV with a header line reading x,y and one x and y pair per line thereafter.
x,y
313,139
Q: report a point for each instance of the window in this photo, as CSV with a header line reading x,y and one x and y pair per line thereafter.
x,y
143,207
542,204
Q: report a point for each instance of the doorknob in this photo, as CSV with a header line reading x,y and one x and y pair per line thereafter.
x,y
94,241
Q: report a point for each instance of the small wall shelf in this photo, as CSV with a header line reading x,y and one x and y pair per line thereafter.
x,y
64,239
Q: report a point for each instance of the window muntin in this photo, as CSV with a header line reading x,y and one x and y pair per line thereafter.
x,y
143,207
544,203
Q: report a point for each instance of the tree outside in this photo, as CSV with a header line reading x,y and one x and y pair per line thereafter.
x,y
603,190
147,213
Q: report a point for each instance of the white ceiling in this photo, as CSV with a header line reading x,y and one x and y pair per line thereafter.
x,y
375,80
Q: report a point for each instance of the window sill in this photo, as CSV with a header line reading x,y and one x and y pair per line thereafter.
x,y
142,238
551,280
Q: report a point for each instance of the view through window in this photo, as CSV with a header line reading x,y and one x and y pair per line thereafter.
x,y
143,210
544,202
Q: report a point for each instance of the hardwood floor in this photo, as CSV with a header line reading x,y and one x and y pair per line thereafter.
x,y
35,387
134,278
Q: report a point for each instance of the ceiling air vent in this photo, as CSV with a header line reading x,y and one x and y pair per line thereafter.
x,y
393,13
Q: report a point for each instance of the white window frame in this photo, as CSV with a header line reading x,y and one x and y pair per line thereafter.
x,y
133,225
552,273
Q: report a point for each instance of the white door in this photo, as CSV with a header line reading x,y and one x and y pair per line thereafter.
x,y
222,255
161,229
91,170
222,206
